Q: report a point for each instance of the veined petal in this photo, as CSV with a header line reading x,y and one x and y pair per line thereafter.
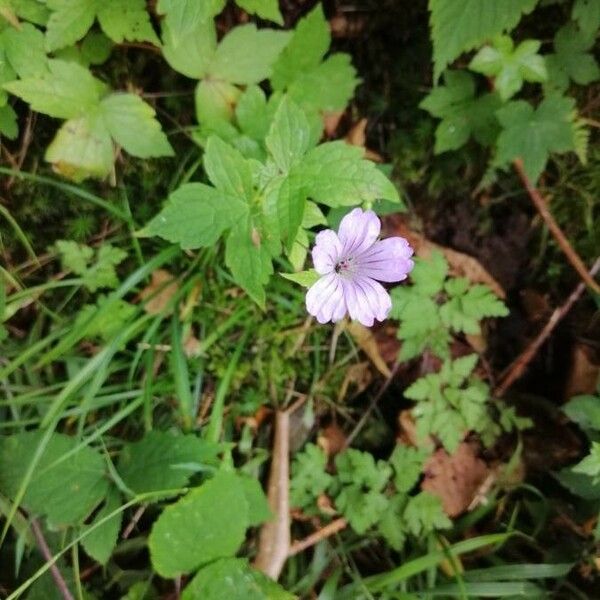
x,y
367,300
386,260
358,231
326,252
325,299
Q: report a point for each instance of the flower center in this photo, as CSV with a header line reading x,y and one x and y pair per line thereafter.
x,y
344,266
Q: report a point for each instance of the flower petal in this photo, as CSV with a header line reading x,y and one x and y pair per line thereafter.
x,y
326,252
358,231
386,260
366,299
325,299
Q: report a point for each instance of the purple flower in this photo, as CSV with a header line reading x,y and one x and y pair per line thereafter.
x,y
351,263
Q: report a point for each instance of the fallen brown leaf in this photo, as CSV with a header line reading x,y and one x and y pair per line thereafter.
x,y
366,342
162,287
584,372
331,121
455,479
359,375
331,440
357,135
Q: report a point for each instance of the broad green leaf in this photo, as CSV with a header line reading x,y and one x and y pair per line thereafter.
x,y
227,169
82,148
336,174
462,114
328,87
126,20
510,66
192,52
258,506
299,250
249,260
234,579
533,134
69,21
234,63
306,48
8,122
579,484
196,215
253,113
291,201
132,124
101,541
67,90
590,465
289,136
33,11
572,59
183,17
585,411
461,25
163,461
209,522
68,482
265,9
587,15
25,50
95,48
313,216
215,102
303,278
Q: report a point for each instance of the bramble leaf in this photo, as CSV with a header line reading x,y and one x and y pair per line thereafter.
x,y
126,20
265,9
100,542
24,50
227,169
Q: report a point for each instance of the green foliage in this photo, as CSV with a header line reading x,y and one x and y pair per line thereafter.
x,y
309,477
587,15
101,540
590,465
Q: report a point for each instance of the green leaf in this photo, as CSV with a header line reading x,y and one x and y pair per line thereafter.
x,y
428,275
309,476
362,509
132,123
183,17
407,463
463,115
190,53
101,273
8,122
126,20
461,25
109,323
303,278
234,579
572,59
336,174
163,461
359,468
215,101
587,15
68,90
288,138
82,148
328,87
101,541
24,50
291,201
227,169
306,48
234,63
510,66
391,524
258,506
585,411
67,484
590,465
253,113
424,513
196,215
69,22
579,484
265,9
533,134
209,522
249,260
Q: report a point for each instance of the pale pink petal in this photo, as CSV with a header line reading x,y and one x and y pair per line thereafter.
x,y
325,299
358,306
386,260
377,297
326,252
358,231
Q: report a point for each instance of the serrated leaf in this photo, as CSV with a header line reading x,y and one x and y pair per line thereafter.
x,y
126,20
8,122
424,513
234,579
196,215
132,124
407,463
101,541
67,90
67,483
109,323
234,63
249,260
336,174
82,148
362,509
533,134
461,25
183,17
69,21
587,15
252,113
303,278
265,9
585,411
429,275
309,476
208,523
463,115
306,48
215,102
391,524
227,169
162,461
258,505
24,50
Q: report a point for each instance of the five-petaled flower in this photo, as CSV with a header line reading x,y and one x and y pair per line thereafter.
x,y
351,263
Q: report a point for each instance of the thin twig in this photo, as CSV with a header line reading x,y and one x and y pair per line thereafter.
x,y
365,416
561,239
61,584
134,521
323,533
518,366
